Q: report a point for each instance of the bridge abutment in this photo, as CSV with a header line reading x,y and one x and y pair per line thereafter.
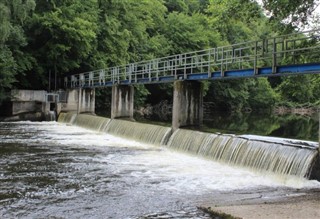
x,y
122,101
187,104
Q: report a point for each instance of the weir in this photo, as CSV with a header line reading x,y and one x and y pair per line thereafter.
x,y
265,154
272,155
146,133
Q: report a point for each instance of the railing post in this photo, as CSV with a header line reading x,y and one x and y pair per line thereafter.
x,y
118,73
274,56
222,63
135,75
185,68
149,71
209,64
130,73
255,59
65,82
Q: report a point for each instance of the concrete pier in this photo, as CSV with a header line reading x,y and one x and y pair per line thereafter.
x,y
86,100
122,101
79,100
187,104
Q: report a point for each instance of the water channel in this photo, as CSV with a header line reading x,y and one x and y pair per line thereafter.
x,y
50,169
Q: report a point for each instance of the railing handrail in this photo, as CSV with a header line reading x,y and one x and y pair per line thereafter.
x,y
223,57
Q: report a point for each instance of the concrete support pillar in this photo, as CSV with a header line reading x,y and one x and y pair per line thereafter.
x,y
187,104
122,101
78,100
86,100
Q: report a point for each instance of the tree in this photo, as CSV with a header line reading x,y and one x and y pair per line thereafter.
x,y
300,89
261,95
13,60
294,12
237,20
229,95
62,35
130,31
187,33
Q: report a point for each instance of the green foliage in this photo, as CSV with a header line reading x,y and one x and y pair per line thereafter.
x,y
229,95
62,38
262,96
5,25
186,6
70,36
187,33
103,102
295,12
237,21
7,68
235,95
13,60
300,89
140,95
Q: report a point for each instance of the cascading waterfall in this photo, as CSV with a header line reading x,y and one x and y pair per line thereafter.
x,y
146,133
274,155
67,117
95,123
278,156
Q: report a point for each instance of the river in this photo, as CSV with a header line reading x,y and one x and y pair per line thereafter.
x,y
304,127
54,170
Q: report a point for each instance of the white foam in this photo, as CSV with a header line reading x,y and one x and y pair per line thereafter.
x,y
170,170
184,173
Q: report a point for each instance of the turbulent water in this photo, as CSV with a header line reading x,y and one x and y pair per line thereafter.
x,y
54,170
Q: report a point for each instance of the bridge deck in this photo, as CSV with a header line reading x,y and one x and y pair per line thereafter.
x,y
279,56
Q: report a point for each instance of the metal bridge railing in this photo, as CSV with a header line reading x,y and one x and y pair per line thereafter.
x,y
281,50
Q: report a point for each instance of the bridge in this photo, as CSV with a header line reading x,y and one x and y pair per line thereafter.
x,y
293,54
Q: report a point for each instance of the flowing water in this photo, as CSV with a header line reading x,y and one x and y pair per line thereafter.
x,y
55,170
274,155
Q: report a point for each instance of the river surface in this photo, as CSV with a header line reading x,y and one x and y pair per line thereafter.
x,y
51,170
304,127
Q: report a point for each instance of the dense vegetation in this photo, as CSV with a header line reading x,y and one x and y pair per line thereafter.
x,y
49,39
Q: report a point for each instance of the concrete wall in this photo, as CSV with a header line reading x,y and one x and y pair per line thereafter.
x,y
26,107
187,104
28,95
122,101
24,101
